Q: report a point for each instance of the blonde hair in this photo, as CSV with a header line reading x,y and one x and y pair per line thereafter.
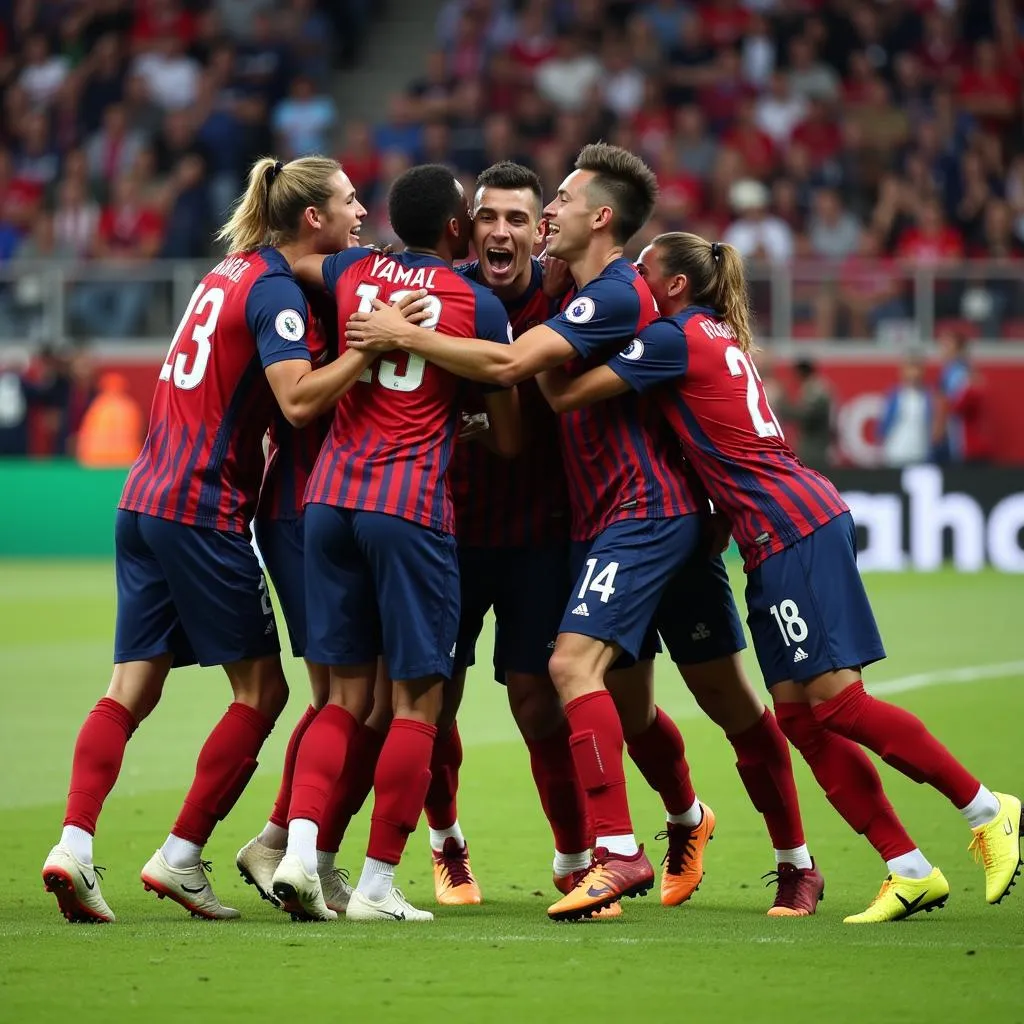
x,y
269,212
716,276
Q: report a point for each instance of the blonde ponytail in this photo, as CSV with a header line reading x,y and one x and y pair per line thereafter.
x,y
716,278
269,211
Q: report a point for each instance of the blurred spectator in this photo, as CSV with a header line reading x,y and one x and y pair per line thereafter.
x,y
905,428
960,430
170,74
754,146
403,131
303,122
622,84
697,151
13,413
931,240
808,76
811,412
756,233
834,232
870,289
111,151
42,72
187,235
757,50
780,110
112,428
104,74
36,159
568,79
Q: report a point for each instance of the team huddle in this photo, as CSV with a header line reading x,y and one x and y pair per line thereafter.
x,y
568,440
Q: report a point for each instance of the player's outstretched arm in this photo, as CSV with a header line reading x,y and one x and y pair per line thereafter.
x,y
309,270
565,393
304,394
489,362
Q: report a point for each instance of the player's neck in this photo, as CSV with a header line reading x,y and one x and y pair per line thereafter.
x,y
440,254
294,251
514,289
592,262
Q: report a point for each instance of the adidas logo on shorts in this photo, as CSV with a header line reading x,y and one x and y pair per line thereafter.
x,y
801,655
581,609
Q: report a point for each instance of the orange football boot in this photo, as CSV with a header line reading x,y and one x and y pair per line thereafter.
x,y
684,859
454,884
565,885
610,878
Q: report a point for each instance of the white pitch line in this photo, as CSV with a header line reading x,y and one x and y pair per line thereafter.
x,y
947,676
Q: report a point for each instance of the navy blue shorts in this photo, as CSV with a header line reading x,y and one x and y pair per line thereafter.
x,y
697,616
377,584
621,576
193,592
281,545
807,609
528,588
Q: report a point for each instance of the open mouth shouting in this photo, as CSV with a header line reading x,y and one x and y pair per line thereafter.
x,y
499,260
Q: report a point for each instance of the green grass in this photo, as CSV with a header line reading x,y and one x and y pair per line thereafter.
x,y
718,956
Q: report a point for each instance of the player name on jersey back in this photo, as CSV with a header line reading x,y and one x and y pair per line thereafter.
x,y
392,434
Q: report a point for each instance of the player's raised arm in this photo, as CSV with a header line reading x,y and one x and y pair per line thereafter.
x,y
565,393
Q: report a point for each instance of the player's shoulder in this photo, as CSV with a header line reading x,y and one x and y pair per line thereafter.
x,y
702,323
470,270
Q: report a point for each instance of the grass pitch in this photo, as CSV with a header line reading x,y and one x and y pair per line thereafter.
x,y
956,657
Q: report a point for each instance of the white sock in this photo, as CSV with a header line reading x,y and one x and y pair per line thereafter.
x,y
273,836
799,857
78,841
910,865
982,809
324,862
180,853
623,845
377,879
691,817
438,836
302,835
566,863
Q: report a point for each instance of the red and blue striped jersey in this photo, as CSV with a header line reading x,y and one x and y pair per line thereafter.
x,y
203,460
293,450
392,433
620,461
713,399
523,501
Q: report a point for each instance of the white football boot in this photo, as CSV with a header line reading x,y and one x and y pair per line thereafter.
x,y
299,893
77,888
337,892
190,887
393,907
257,863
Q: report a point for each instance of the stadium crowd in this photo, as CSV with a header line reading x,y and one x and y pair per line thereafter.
x,y
844,137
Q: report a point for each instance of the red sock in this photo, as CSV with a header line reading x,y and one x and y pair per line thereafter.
x,y
848,778
560,792
99,751
225,765
661,757
400,787
596,743
441,805
762,760
352,789
900,739
320,761
279,815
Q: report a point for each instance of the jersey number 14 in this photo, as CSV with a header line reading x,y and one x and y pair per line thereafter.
x,y
387,369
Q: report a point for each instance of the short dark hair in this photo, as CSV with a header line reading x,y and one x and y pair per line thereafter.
x,y
626,184
421,202
506,174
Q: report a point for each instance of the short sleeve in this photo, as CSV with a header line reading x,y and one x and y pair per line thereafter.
x,y
336,265
491,318
657,354
602,317
278,318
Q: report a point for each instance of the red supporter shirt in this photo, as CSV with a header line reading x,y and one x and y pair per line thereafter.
x,y
202,460
915,245
293,450
619,460
392,434
126,227
523,501
711,395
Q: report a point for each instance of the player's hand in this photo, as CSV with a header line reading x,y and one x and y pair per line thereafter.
x,y
556,279
376,331
413,306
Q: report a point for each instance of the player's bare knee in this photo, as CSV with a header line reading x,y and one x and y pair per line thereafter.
x,y
632,689
830,684
319,684
138,685
724,694
535,706
418,699
259,683
578,665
